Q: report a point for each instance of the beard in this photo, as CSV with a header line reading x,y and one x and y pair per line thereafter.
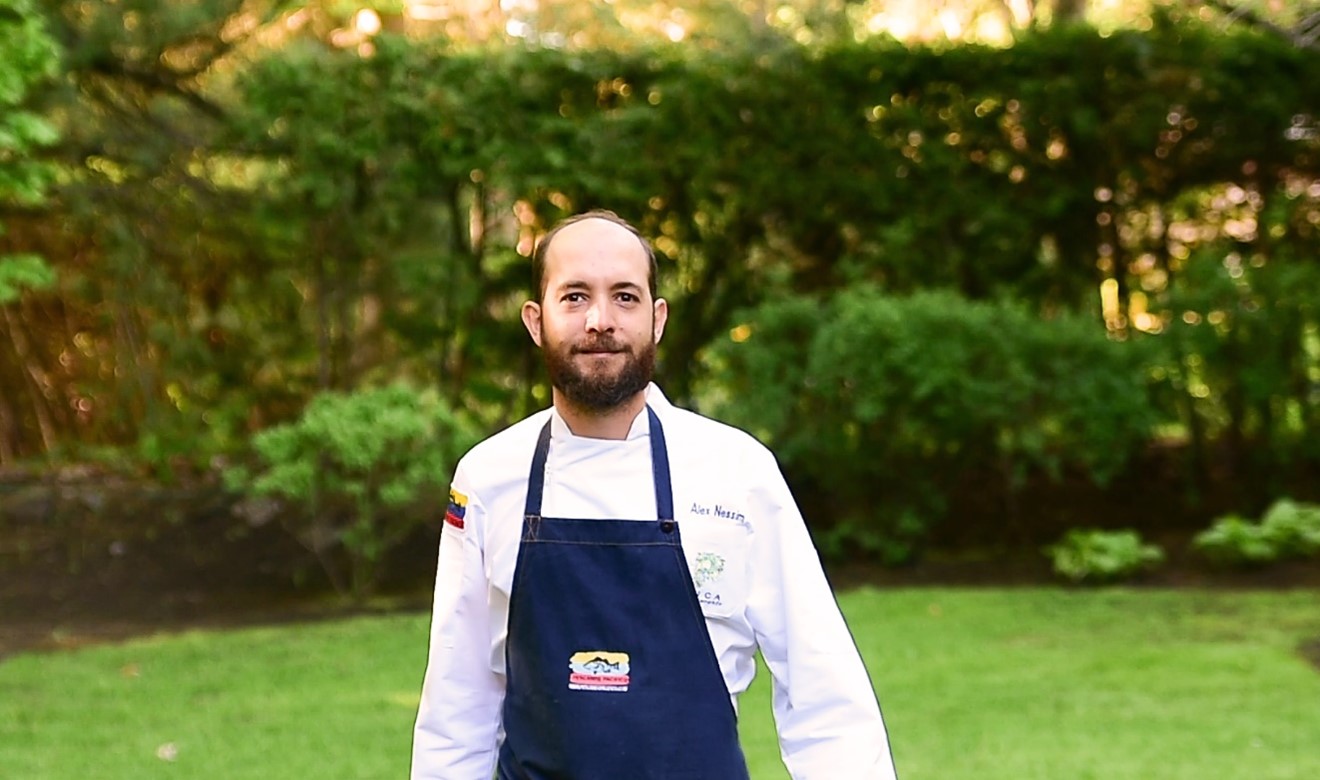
x,y
604,389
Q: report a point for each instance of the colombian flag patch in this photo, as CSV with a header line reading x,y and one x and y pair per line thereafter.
x,y
457,509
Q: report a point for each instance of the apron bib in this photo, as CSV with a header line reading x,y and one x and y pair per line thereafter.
x,y
611,673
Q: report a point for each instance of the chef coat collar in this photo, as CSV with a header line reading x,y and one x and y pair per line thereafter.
x,y
641,425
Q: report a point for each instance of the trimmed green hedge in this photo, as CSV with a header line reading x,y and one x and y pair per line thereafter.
x,y
882,401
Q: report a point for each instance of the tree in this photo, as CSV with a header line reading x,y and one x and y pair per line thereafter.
x,y
138,104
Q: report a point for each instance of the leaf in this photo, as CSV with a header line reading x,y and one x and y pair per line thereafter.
x,y
23,272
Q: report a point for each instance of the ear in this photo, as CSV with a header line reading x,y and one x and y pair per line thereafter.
x,y
531,317
660,318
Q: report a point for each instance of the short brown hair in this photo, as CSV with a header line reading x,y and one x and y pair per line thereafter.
x,y
543,247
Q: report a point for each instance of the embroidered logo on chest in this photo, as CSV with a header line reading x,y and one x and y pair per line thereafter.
x,y
706,576
709,568
598,670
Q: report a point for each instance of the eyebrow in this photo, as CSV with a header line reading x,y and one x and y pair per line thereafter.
x,y
577,284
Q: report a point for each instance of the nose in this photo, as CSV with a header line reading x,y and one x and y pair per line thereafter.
x,y
598,319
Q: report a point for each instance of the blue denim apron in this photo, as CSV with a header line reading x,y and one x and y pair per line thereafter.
x,y
611,673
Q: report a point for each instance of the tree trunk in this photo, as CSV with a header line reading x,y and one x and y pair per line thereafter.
x,y
322,317
38,382
1235,401
8,433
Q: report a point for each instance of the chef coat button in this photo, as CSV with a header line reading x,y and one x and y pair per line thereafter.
x,y
667,526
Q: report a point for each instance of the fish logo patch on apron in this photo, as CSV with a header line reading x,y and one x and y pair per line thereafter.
x,y
598,670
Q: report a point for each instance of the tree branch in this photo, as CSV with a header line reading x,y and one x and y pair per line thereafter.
x,y
1303,37
155,81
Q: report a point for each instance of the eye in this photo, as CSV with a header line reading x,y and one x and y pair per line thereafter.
x,y
627,297
574,297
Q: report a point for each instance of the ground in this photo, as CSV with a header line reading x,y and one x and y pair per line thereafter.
x,y
103,583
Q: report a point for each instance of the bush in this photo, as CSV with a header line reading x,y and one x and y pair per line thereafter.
x,y
1235,540
878,403
352,465
1294,528
1103,556
1287,530
890,542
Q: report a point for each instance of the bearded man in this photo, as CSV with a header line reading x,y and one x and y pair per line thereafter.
x,y
609,566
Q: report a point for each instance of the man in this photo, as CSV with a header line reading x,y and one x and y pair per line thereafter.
x,y
608,568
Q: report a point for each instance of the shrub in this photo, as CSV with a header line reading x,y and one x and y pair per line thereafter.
x,y
1236,541
1294,528
1103,556
889,542
1288,529
352,465
878,403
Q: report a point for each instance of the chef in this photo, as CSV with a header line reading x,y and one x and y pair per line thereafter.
x,y
608,568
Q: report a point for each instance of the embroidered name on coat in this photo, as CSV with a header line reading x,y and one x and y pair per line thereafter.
x,y
718,510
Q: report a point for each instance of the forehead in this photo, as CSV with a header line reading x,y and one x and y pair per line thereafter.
x,y
596,250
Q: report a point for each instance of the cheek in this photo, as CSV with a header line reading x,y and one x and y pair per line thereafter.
x,y
556,331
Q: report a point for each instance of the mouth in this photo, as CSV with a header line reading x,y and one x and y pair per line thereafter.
x,y
602,350
598,358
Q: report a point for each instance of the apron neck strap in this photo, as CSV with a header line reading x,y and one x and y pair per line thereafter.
x,y
664,494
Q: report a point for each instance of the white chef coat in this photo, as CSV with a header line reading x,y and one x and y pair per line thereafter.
x,y
758,578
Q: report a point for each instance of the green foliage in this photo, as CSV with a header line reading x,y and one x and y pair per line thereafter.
x,y
1095,556
368,176
1294,527
1249,352
1287,530
888,539
23,272
28,57
880,400
357,467
1237,541
247,212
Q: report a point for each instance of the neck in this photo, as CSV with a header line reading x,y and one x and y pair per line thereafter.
x,y
612,423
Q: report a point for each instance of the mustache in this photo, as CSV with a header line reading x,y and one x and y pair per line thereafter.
x,y
599,344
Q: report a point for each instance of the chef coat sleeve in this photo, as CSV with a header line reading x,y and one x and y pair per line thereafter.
x,y
826,713
459,715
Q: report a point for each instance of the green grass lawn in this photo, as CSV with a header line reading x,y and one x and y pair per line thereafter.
x,y
984,684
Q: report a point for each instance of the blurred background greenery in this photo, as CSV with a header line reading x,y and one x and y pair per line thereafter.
x,y
980,271
994,278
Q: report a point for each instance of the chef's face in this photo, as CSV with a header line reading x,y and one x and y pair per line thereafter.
x,y
596,323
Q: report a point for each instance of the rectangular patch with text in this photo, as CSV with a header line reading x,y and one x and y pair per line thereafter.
x,y
598,670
